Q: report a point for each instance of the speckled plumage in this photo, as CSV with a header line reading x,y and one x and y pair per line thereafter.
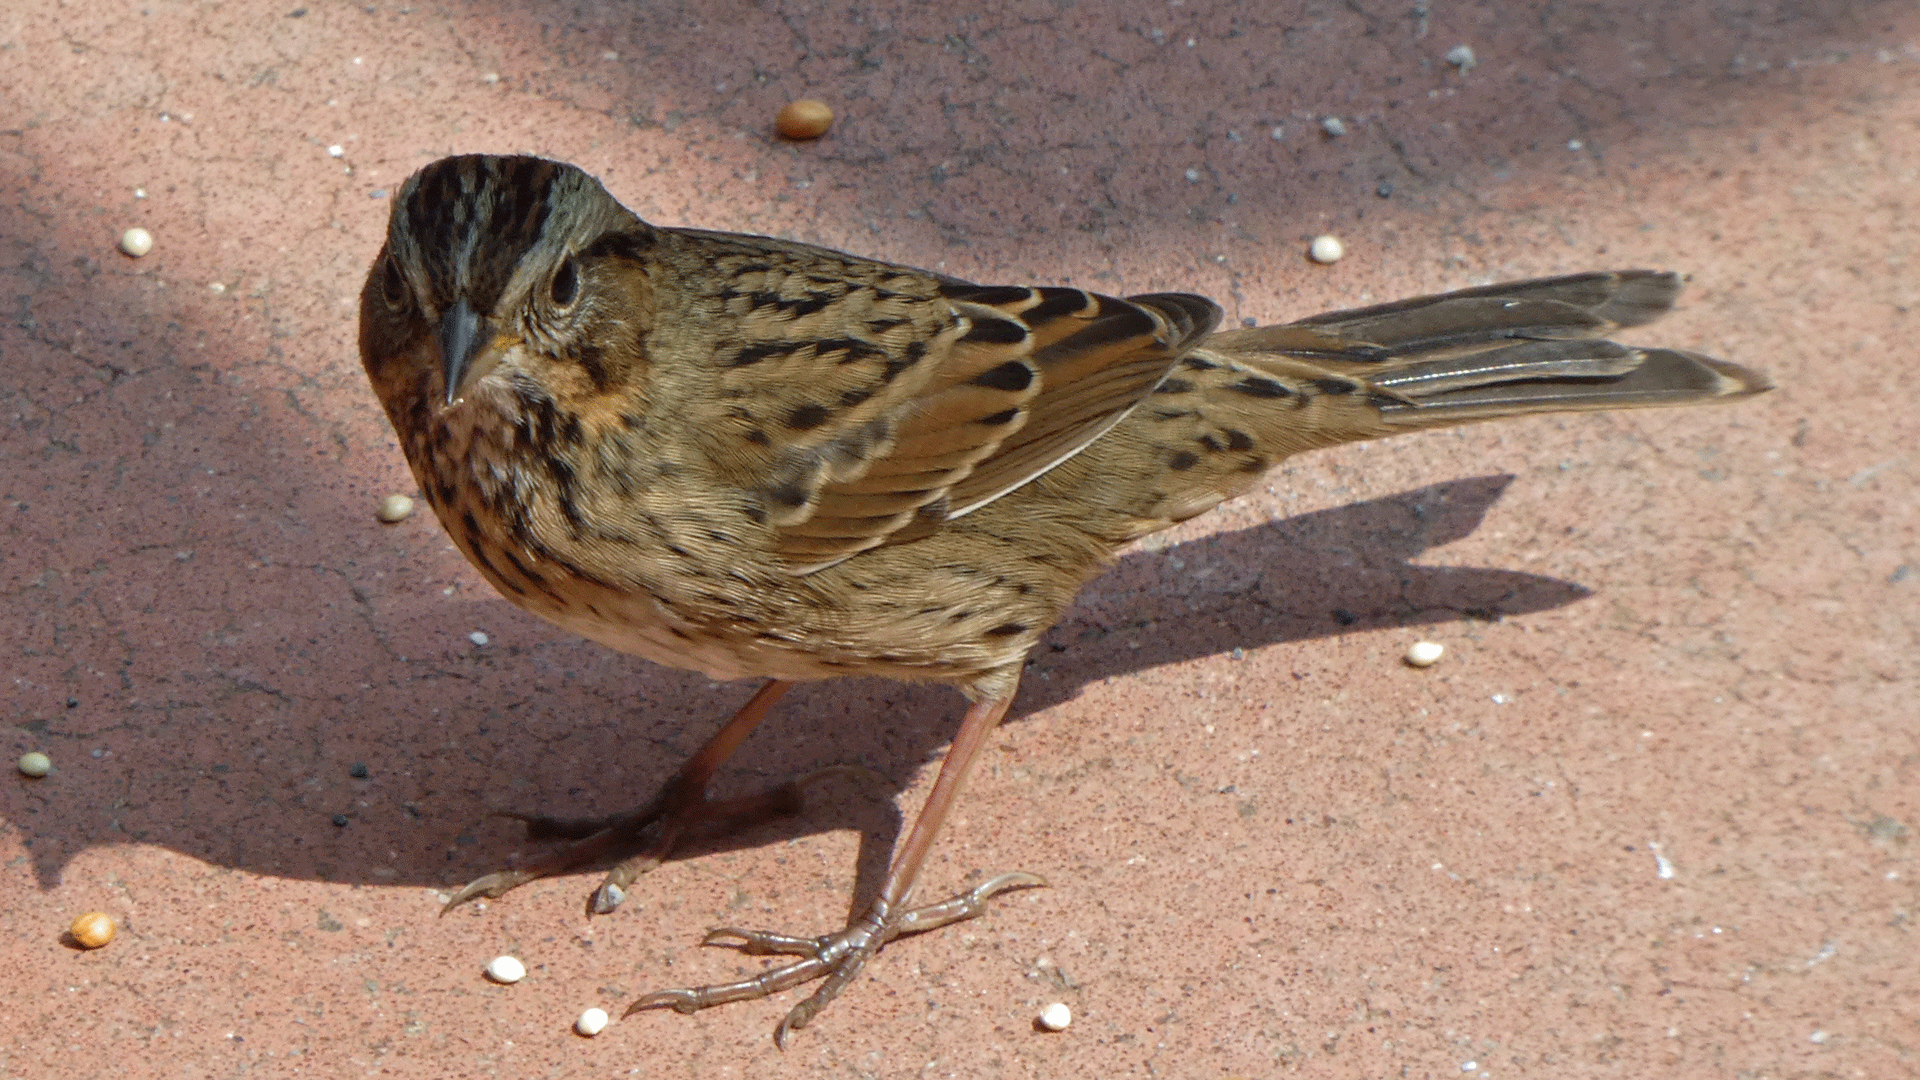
x,y
752,457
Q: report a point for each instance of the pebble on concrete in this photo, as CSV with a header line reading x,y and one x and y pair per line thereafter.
x,y
808,118
92,930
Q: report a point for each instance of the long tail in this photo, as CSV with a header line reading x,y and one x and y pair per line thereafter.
x,y
1501,350
1245,399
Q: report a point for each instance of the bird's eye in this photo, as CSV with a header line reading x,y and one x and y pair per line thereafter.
x,y
393,286
566,285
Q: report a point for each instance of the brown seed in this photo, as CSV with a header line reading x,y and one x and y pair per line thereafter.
x,y
92,930
808,118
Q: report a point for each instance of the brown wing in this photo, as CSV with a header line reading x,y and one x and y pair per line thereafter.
x,y
1098,357
1037,374
859,403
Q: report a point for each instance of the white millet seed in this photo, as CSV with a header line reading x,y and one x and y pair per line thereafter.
x,y
506,969
478,637
1333,126
35,764
591,1023
1461,56
394,508
136,241
1056,1016
1425,653
1326,248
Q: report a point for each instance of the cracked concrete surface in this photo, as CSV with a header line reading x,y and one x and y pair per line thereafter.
x,y
1652,815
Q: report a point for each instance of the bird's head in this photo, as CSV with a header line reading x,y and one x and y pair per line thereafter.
x,y
514,273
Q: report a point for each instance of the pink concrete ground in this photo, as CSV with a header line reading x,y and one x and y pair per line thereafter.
x,y
1655,820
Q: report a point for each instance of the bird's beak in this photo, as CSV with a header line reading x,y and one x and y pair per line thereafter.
x,y
469,347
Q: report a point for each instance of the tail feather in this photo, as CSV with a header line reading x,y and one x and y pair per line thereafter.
x,y
1243,400
1584,305
1501,350
1594,375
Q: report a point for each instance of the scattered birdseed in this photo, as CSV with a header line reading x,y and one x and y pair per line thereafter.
x,y
136,241
808,118
1277,132
394,508
1385,191
477,637
336,150
1662,866
1333,126
1326,248
139,193
591,1023
92,930
358,771
1461,56
1056,1016
35,764
340,820
506,970
1425,653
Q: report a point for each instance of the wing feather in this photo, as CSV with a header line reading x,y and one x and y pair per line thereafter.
x,y
858,403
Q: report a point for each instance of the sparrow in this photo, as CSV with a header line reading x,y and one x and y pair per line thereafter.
x,y
756,458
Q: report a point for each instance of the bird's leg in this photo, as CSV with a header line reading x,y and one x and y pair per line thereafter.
x,y
643,838
838,957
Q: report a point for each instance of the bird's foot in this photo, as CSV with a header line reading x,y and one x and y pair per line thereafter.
x,y
834,958
641,839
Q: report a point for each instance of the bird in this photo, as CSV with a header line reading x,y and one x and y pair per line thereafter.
x,y
757,458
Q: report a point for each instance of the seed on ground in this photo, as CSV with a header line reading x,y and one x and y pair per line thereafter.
x,y
394,508
136,241
35,763
591,1023
506,969
1056,1016
1326,248
92,930
808,118
1425,653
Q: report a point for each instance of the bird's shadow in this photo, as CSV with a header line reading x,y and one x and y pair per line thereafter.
x,y
555,727
1311,576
